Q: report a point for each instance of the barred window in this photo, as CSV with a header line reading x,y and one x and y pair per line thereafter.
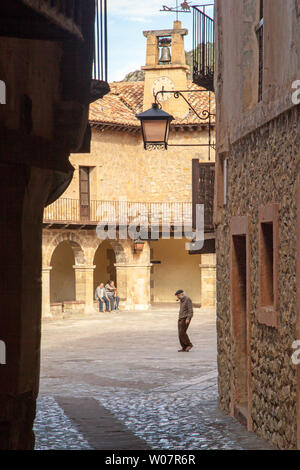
x,y
260,38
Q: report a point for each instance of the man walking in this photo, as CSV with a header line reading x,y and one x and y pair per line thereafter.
x,y
185,316
100,295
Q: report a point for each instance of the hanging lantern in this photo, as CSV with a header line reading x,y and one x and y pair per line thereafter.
x,y
155,127
138,246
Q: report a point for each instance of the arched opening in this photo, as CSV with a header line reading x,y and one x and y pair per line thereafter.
x,y
62,277
104,260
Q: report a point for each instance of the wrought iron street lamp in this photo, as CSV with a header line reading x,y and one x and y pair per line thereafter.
x,y
155,127
155,122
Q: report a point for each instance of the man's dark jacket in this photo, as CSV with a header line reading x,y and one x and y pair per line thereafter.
x,y
186,308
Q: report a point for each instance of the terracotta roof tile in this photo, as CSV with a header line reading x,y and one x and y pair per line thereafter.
x,y
125,100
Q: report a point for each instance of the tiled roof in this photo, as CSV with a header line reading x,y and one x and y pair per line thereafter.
x,y
125,100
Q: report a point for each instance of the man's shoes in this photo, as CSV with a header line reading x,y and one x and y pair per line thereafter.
x,y
188,348
181,350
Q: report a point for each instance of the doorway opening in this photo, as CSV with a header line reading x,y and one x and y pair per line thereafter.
x,y
62,277
104,260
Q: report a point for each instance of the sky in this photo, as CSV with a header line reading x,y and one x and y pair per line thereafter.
x,y
127,19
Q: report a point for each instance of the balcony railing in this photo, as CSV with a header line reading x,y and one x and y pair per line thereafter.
x,y
100,60
68,211
59,20
69,15
203,46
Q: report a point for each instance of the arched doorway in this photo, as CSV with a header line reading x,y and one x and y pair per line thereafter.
x,y
62,277
104,260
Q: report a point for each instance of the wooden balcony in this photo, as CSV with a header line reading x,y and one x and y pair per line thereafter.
x,y
69,213
203,189
44,19
203,194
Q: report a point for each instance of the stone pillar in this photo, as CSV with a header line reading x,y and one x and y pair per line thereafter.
x,y
121,282
84,286
46,312
137,278
23,195
208,280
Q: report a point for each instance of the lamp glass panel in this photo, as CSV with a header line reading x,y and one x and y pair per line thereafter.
x,y
154,131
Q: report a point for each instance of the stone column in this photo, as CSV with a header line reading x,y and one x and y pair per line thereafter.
x,y
46,312
23,195
208,280
84,286
137,279
121,282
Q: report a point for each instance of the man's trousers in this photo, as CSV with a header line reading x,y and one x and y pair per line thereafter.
x,y
101,304
182,333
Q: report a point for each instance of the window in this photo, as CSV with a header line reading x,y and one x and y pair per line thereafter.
x,y
240,290
221,186
225,181
84,192
222,183
260,38
268,265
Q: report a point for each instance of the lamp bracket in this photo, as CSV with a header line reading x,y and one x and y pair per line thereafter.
x,y
205,115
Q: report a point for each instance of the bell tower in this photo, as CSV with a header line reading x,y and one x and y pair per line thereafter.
x,y
166,68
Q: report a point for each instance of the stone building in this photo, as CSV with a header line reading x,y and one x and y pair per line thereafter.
x,y
46,57
118,169
257,214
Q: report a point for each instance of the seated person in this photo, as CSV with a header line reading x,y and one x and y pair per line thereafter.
x,y
100,295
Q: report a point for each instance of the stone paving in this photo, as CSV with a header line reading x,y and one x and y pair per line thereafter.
x,y
116,381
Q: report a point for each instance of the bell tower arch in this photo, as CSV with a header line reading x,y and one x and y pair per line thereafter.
x,y
166,68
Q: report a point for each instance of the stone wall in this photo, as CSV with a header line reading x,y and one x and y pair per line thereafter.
x,y
122,168
238,109
263,169
178,270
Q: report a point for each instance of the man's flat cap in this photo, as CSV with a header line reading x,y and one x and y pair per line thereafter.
x,y
180,291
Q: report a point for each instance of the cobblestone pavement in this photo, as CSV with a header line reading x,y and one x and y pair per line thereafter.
x,y
116,381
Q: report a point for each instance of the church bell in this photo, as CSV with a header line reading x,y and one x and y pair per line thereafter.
x,y
165,56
